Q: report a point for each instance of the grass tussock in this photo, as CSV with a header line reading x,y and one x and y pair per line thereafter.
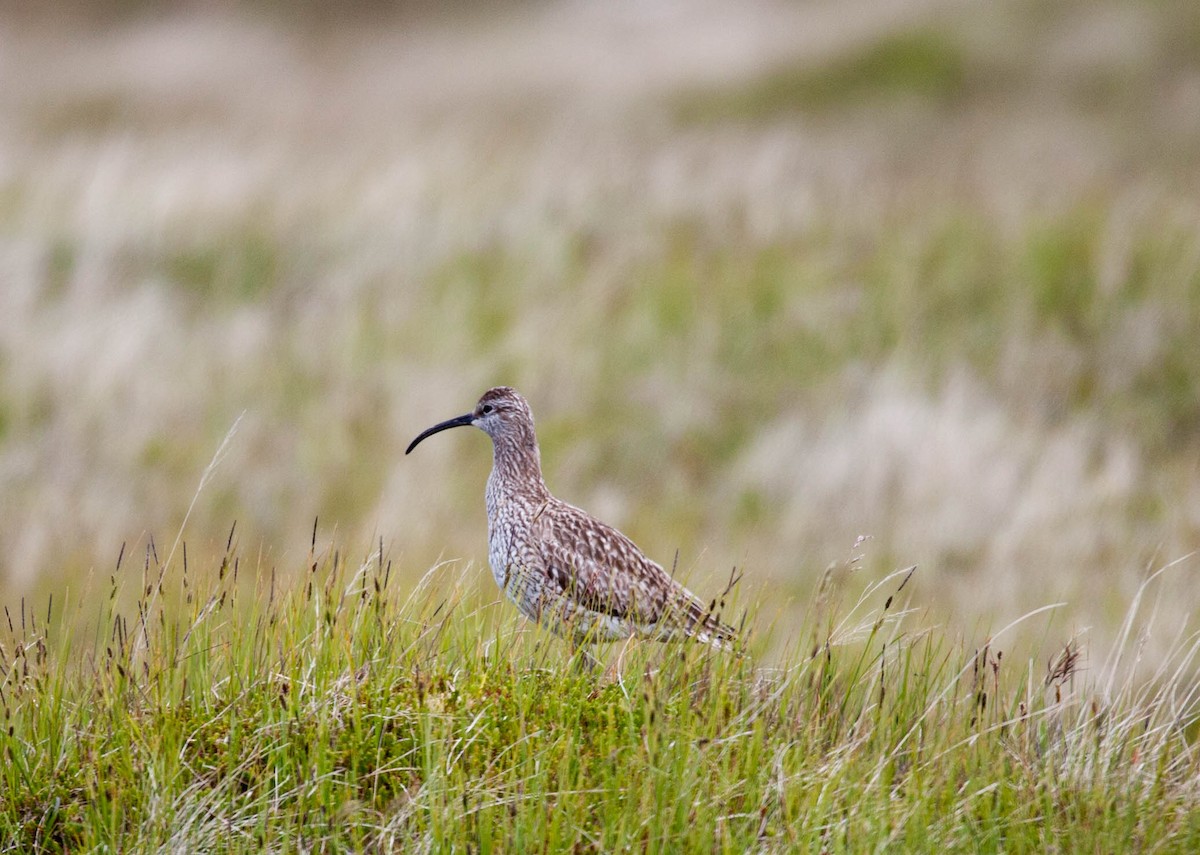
x,y
221,710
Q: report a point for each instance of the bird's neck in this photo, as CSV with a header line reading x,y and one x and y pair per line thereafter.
x,y
516,469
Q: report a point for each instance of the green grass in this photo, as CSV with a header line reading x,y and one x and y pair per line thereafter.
x,y
931,277
344,714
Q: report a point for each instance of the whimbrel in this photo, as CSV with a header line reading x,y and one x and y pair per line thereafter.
x,y
563,568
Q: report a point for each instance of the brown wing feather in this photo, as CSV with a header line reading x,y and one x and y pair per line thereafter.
x,y
582,557
604,571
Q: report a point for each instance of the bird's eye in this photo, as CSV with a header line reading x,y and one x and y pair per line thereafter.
x,y
486,408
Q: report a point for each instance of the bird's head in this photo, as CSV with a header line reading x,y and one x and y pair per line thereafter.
x,y
501,413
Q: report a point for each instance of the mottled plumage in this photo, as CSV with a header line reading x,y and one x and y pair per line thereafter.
x,y
562,567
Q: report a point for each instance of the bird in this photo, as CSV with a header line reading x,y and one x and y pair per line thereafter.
x,y
563,568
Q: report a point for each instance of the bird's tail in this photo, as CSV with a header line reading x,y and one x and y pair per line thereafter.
x,y
703,622
718,635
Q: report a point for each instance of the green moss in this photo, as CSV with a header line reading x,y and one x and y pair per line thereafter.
x,y
923,65
480,290
240,269
1167,396
90,113
60,266
1059,268
751,509
1178,26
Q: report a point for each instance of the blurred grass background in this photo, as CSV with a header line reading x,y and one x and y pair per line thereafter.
x,y
772,276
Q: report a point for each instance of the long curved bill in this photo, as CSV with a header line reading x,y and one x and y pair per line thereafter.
x,y
457,421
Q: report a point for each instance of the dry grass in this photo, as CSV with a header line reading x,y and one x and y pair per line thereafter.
x,y
772,279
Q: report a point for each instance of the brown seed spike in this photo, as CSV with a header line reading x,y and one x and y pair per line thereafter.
x,y
582,579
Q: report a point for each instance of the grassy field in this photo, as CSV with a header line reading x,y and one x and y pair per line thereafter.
x,y
774,279
342,714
